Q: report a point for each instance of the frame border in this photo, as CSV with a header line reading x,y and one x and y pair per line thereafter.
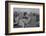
x,y
6,17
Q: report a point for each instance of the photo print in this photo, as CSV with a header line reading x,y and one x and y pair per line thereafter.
x,y
26,17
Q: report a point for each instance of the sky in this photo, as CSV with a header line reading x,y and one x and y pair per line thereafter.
x,y
28,10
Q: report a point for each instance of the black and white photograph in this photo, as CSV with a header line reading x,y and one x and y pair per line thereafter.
x,y
26,17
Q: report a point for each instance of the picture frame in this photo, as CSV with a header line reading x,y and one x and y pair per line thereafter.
x,y
23,7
